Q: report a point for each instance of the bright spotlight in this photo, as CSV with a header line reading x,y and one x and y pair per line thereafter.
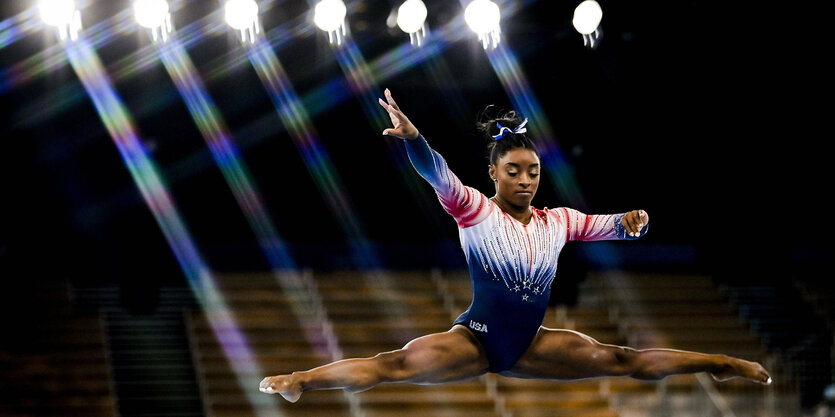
x,y
411,15
242,15
587,17
63,15
411,18
483,17
57,12
150,14
153,15
329,15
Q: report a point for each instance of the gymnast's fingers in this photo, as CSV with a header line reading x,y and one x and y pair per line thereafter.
x,y
391,100
393,114
630,224
636,220
386,106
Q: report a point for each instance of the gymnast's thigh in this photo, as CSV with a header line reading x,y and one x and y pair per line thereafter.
x,y
454,355
567,354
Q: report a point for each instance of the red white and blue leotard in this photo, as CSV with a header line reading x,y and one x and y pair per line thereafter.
x,y
511,264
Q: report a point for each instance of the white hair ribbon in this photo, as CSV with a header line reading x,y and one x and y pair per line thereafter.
x,y
502,130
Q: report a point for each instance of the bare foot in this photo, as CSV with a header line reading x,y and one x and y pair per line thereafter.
x,y
282,384
738,368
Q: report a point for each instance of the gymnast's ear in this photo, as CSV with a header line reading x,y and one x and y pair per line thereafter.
x,y
491,170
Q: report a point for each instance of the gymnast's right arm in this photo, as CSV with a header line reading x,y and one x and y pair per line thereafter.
x,y
467,205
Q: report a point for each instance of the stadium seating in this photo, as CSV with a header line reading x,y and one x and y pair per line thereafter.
x,y
54,358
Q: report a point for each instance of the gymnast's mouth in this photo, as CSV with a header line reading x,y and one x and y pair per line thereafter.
x,y
524,192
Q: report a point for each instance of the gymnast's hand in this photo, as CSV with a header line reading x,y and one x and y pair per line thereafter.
x,y
403,128
634,221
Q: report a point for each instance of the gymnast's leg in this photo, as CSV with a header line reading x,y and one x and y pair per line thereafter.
x,y
441,357
566,354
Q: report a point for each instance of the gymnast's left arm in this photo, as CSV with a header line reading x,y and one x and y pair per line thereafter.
x,y
592,227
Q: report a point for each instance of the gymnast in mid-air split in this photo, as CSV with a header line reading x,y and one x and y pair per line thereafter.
x,y
511,249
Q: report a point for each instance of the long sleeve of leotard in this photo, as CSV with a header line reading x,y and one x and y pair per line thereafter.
x,y
592,227
467,205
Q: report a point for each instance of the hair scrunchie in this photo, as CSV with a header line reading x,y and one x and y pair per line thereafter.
x,y
502,130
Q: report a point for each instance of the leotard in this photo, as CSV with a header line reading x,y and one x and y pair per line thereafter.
x,y
511,264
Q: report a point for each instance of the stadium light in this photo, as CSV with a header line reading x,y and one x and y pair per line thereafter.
x,y
153,15
411,18
329,15
483,17
586,21
242,15
63,15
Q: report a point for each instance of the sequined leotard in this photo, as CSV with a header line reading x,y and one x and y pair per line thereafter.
x,y
511,264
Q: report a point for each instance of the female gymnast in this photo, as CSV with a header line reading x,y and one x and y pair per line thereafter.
x,y
511,249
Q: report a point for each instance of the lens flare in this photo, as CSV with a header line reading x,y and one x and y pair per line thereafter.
x,y
143,170
18,26
221,143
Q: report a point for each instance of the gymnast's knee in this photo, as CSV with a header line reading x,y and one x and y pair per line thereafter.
x,y
624,361
632,364
392,366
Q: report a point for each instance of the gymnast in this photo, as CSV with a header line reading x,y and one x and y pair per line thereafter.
x,y
511,249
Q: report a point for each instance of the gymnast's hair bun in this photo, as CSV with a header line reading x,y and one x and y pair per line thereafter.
x,y
493,114
497,145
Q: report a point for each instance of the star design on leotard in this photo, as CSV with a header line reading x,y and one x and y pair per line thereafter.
x,y
516,288
536,290
525,297
526,285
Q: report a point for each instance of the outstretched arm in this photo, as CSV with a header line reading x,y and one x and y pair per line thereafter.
x,y
467,205
592,227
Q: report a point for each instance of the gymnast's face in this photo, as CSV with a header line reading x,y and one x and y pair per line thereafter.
x,y
516,175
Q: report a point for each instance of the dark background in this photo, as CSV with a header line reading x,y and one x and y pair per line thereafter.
x,y
709,116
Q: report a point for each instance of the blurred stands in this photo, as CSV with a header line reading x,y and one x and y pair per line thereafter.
x,y
791,321
269,321
53,356
73,345
375,312
688,312
371,313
